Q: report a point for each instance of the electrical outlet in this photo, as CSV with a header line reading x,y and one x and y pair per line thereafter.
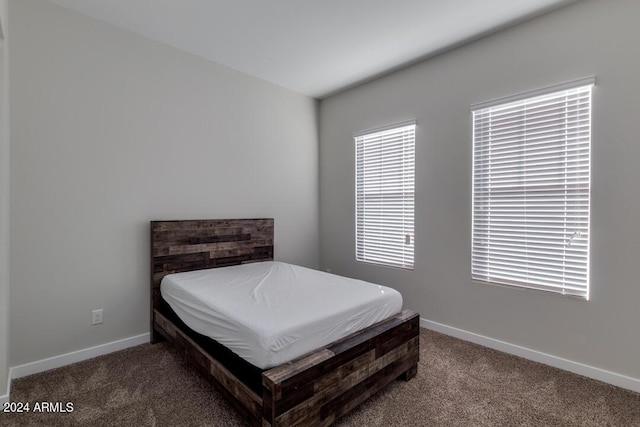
x,y
96,317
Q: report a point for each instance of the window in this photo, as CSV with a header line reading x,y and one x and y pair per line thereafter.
x,y
385,168
531,179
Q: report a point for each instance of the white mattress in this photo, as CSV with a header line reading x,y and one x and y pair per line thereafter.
x,y
269,313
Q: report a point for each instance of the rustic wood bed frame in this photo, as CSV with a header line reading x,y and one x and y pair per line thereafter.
x,y
315,389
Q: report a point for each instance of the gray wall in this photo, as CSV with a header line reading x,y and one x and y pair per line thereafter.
x,y
4,210
110,130
587,38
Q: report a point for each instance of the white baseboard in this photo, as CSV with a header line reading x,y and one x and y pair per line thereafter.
x,y
5,398
69,358
619,380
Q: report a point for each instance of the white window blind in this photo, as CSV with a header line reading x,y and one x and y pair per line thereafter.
x,y
531,184
385,168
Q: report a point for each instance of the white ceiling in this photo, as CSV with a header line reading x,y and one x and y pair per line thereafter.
x,y
315,47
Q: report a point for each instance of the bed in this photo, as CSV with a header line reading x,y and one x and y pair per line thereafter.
x,y
315,388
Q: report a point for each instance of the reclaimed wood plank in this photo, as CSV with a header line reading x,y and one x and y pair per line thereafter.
x,y
274,377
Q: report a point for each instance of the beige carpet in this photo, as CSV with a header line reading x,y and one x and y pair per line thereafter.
x,y
458,384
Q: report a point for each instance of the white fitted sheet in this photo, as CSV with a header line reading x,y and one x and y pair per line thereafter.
x,y
271,312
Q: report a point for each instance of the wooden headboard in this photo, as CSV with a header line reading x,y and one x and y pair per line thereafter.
x,y
178,246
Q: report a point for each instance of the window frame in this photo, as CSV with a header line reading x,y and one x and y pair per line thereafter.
x,y
532,262
399,255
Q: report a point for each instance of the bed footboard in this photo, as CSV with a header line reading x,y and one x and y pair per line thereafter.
x,y
323,386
